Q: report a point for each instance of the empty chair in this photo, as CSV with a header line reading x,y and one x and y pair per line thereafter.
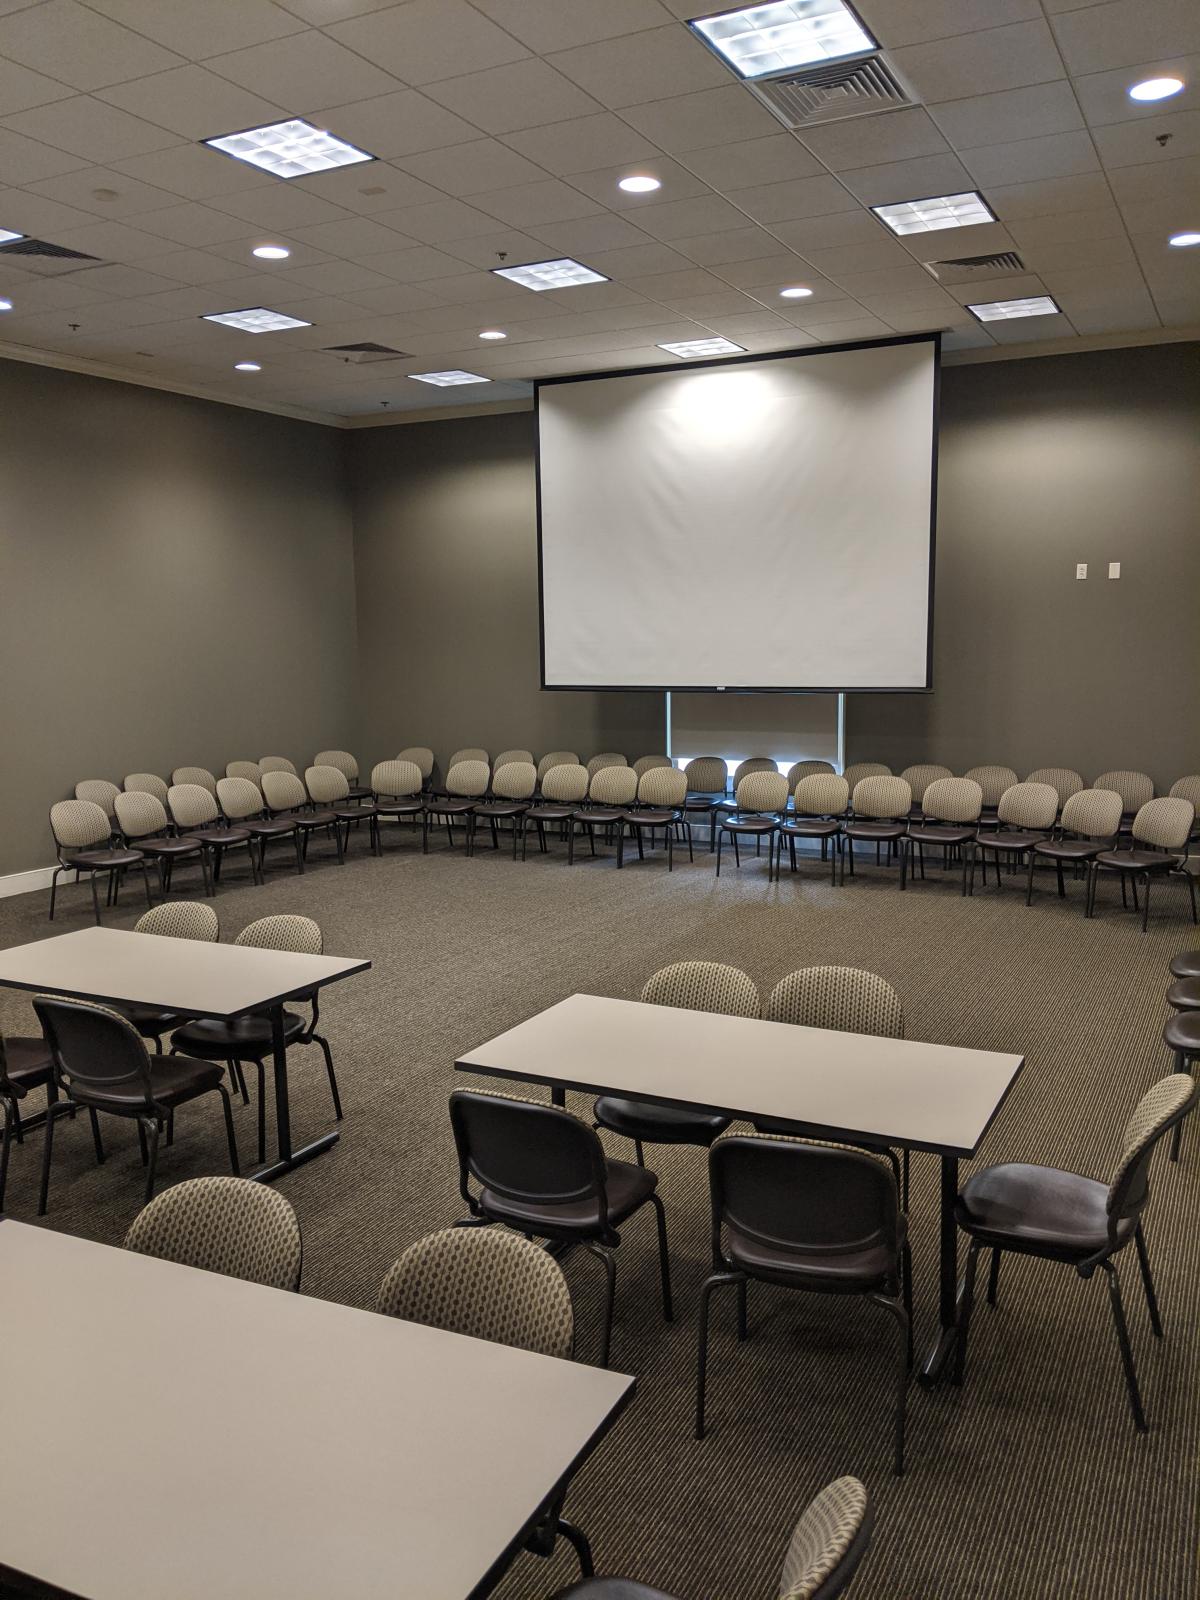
x,y
329,790
200,776
950,814
508,758
287,800
473,753
690,986
993,781
811,1217
277,764
1082,1222
858,770
145,826
1135,789
542,1171
83,840
743,770
555,758
174,919
396,787
513,787
242,802
1025,815
645,764
806,769
195,813
606,758
562,787
1090,822
707,783
761,798
919,778
1163,828
347,765
661,792
25,1064
1065,781
1182,789
233,1226
827,1546
249,1037
145,783
1181,1035
610,790
101,1062
466,783
880,806
818,809
421,757
250,770
101,793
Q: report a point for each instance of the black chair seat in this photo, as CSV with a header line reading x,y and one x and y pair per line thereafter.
x,y
1069,849
30,1063
185,846
1186,964
173,1080
855,1271
702,802
1182,1033
1184,994
550,813
658,1124
940,833
446,807
218,836
811,828
1137,860
359,791
400,808
750,824
268,827
628,1187
150,1021
366,808
871,831
598,816
242,1038
308,820
1038,1209
610,1589
103,858
651,817
1019,842
498,809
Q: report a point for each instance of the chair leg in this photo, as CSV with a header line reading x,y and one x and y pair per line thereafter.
x,y
964,1313
904,1165
5,1147
153,1129
716,1281
262,1111
1118,1311
743,1328
1143,1256
610,1268
579,1543
720,837
47,1149
1146,903
664,1260
993,1278
234,1165
333,1083
95,896
145,1153
895,1309
638,1151
54,890
1029,881
96,1139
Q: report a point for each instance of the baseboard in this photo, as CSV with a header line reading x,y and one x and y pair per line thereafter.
x,y
25,882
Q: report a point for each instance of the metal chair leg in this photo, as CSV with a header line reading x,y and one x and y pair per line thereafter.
x,y
964,1313
664,1260
579,1543
47,1149
333,1083
993,1278
234,1165
717,1281
610,1268
1139,1239
153,1129
1118,1311
895,1309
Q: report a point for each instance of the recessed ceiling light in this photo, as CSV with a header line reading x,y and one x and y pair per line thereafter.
x,y
704,347
246,366
1156,89
939,211
797,293
1036,305
5,305
448,380
1182,241
271,252
7,237
561,274
639,184
786,33
289,149
256,319
493,333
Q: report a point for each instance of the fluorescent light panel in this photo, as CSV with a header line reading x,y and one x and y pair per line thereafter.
x,y
448,380
1037,305
561,274
787,33
7,237
704,347
939,211
256,319
289,149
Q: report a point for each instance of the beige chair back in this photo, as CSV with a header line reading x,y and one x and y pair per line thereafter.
x,y
1029,805
762,791
250,770
565,785
396,779
662,787
880,797
468,779
845,999
1165,824
79,824
703,986
993,781
239,798
508,758
613,786
919,778
140,815
342,760
556,758
953,800
606,758
200,776
855,773
1065,781
515,780
1135,788
283,791
822,794
707,775
421,757
1095,813
146,783
191,806
181,919
806,769
277,764
326,784
99,792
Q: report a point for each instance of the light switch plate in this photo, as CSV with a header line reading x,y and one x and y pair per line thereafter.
x,y
1114,569
1081,569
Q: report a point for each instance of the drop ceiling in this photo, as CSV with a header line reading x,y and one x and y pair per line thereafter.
x,y
501,129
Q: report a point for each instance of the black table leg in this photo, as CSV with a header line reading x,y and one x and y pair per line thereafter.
x,y
933,1367
287,1158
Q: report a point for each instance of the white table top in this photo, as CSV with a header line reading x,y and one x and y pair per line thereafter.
x,y
885,1091
175,1435
187,976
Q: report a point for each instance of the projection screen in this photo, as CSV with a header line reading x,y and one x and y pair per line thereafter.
x,y
763,523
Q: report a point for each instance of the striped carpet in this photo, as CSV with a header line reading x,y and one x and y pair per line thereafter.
x,y
1029,1482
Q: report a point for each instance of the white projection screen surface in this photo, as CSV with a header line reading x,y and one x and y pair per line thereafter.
x,y
757,524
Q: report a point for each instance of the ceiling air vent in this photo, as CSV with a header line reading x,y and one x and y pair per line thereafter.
x,y
39,247
361,354
856,88
964,268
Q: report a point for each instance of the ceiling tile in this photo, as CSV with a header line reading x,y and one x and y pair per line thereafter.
x,y
1057,155
1104,96
398,298
726,303
440,221
37,214
582,144
639,260
527,204
1088,192
739,244
1130,144
671,286
1160,180
193,172
677,184
985,289
339,277
866,141
368,188
777,158
892,280
900,22
193,102
1046,259
876,255
908,180
850,332
681,219
122,280
470,168
1119,313
522,94
72,43
192,266
420,262
304,72
21,88
764,271
784,202
119,194
24,160
200,28
351,237
827,233
1125,32
278,206
697,121
54,294
426,40
1103,223
492,249
981,239
981,63
643,66
89,129
1012,114
395,125
546,25
194,224
115,241
586,235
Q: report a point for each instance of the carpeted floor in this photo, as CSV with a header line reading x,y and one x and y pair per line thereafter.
x,y
1030,1482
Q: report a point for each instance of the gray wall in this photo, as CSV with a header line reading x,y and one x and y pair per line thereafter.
x,y
176,587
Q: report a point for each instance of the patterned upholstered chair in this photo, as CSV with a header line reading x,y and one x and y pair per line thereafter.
x,y
606,758
1082,1222
101,793
707,785
1183,789
25,1064
145,826
472,753
1158,846
1065,781
761,798
397,790
248,1038
827,1545
807,769
174,919
288,800
83,839
919,778
611,790
329,790
421,757
250,770
1090,822
277,764
1025,818
645,764
145,783
102,1063
466,784
818,809
513,786
880,805
347,765
818,1218
233,1226
661,792
490,1284
690,986
743,770
950,812
196,815
508,758
858,770
563,787
1135,789
555,758
993,781
242,802
199,776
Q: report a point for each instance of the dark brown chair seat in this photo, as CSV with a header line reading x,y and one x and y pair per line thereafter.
x,y
626,1185
777,1262
702,802
308,820
651,817
549,813
1139,860
941,833
1051,1212
1001,840
269,827
750,825
597,816
811,827
150,1021
865,828
448,805
1186,964
173,1080
29,1062
636,1119
105,858
400,807
219,1040
1184,994
218,836
1069,849
501,808
610,1589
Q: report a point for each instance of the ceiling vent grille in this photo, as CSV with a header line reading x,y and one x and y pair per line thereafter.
x,y
964,268
39,247
831,93
365,352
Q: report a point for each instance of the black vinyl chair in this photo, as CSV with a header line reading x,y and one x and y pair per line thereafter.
x,y
25,1064
821,1218
543,1172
